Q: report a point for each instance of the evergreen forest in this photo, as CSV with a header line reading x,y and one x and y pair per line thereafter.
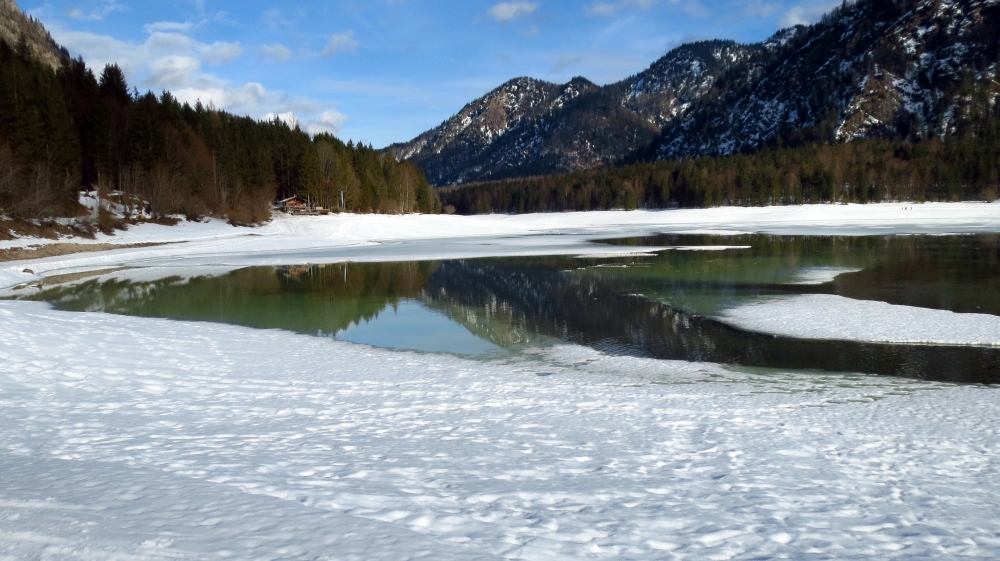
x,y
958,168
66,129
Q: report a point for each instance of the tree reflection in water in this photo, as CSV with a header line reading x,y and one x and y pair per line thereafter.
x,y
659,307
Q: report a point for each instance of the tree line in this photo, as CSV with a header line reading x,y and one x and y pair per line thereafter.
x,y
67,129
873,170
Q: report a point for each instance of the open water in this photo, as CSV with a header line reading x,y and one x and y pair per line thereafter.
x,y
664,305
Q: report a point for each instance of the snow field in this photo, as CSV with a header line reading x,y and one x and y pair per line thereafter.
x,y
806,219
132,438
825,316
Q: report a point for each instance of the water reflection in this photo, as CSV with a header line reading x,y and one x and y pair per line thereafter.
x,y
956,273
588,310
409,325
308,299
660,306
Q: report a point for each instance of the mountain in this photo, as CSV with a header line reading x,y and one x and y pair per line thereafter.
x,y
900,69
530,127
15,26
910,69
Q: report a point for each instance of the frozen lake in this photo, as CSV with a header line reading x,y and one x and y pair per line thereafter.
x,y
261,395
925,307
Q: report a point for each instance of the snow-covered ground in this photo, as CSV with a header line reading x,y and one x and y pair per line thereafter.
x,y
137,438
326,239
825,316
131,438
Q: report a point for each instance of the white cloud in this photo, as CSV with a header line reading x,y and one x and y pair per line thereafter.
x,y
340,42
172,70
330,121
510,11
170,26
95,14
276,52
693,8
221,52
805,15
175,62
611,9
759,8
287,117
273,19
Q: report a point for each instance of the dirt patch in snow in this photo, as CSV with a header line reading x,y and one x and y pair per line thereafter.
x,y
59,249
13,229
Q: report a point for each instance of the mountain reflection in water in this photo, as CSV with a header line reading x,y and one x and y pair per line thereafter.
x,y
658,307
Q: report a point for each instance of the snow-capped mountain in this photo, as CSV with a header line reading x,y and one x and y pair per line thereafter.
x,y
683,76
897,69
891,68
528,127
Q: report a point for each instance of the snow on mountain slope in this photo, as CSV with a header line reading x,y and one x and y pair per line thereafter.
x,y
905,69
685,74
529,127
898,69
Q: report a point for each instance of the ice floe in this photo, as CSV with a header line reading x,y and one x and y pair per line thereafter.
x,y
825,316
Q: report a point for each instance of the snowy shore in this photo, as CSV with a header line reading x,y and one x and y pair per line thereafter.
x,y
327,239
150,439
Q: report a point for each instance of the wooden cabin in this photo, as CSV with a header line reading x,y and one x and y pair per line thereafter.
x,y
293,205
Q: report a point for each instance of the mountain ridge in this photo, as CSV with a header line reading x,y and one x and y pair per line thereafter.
x,y
873,68
571,126
870,69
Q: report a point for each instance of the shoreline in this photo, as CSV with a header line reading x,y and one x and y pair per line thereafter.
x,y
287,240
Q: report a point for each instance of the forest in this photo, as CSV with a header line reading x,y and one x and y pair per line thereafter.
x,y
67,129
861,171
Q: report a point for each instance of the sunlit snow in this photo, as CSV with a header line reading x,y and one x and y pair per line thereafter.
x,y
137,438
150,439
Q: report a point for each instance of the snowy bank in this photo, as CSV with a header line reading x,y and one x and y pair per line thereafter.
x,y
326,239
824,316
149,439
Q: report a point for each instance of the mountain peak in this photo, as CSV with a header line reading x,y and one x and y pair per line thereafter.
x,y
896,69
531,126
892,68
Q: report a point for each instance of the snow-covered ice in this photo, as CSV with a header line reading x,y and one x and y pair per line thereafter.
x,y
825,316
327,239
134,438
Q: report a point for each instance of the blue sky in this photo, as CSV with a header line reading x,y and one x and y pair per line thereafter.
x,y
383,71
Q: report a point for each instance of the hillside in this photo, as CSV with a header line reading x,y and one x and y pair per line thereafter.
x,y
905,70
15,26
908,70
530,127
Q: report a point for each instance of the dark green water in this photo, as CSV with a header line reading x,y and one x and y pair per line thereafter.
x,y
660,306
